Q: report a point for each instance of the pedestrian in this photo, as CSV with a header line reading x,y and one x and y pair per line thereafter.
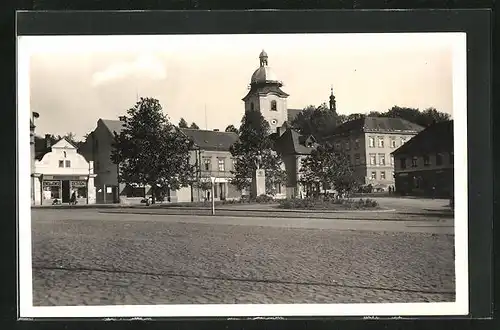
x,y
72,200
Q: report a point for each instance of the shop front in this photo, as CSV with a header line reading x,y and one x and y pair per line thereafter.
x,y
59,189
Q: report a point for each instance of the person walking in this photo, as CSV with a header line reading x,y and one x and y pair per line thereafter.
x,y
72,200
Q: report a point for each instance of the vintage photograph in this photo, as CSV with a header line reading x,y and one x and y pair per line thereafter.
x,y
240,170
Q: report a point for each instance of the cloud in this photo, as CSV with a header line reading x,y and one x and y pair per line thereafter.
x,y
144,66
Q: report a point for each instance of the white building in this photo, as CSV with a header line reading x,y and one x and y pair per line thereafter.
x,y
59,172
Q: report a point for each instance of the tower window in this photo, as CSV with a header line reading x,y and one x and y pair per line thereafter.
x,y
274,107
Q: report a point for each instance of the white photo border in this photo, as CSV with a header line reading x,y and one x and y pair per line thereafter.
x,y
25,47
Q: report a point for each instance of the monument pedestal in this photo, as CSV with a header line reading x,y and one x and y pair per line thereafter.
x,y
258,183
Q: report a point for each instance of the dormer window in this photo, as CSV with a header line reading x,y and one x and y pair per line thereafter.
x,y
274,106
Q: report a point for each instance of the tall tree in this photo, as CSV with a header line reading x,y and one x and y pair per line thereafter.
x,y
423,118
330,168
194,126
254,144
231,128
183,123
151,151
319,122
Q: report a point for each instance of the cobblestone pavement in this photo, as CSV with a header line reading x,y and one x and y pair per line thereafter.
x,y
92,258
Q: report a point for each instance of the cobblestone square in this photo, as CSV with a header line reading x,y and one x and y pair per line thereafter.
x,y
89,257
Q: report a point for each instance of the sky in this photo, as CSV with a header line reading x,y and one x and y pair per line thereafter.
x,y
75,80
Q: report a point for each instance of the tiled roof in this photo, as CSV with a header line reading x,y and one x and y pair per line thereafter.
x,y
211,140
378,124
291,142
203,139
435,138
266,89
292,114
113,125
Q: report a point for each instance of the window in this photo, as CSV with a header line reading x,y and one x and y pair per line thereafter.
x,y
64,153
439,159
374,175
277,187
347,145
357,159
207,164
252,106
356,144
373,159
393,142
274,107
381,159
61,163
221,164
382,175
451,158
68,163
392,160
414,162
380,141
402,163
427,160
371,142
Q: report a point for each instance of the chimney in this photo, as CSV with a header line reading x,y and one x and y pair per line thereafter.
x,y
47,141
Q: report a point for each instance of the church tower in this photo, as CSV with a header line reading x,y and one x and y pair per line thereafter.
x,y
333,104
266,96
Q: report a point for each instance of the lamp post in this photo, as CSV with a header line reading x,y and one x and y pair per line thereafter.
x,y
213,199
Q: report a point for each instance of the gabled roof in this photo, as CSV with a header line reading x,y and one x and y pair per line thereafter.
x,y
435,138
292,142
378,125
113,125
41,148
211,140
292,114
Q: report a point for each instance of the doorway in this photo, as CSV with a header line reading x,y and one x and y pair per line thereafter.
x,y
222,191
65,191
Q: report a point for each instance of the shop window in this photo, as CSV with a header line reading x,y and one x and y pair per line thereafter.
x,y
135,191
81,192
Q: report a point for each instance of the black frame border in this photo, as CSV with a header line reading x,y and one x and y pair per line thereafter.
x,y
476,23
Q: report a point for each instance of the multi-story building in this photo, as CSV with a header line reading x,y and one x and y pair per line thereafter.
x,y
369,142
424,165
210,155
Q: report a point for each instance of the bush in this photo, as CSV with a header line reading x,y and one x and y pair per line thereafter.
x,y
328,204
264,199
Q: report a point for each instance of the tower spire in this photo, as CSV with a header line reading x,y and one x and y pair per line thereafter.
x,y
333,106
263,58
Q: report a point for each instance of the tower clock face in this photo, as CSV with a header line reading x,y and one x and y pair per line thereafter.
x,y
274,121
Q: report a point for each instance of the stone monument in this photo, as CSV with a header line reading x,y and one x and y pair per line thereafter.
x,y
258,180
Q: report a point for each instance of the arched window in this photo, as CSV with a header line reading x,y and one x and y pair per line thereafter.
x,y
274,106
252,107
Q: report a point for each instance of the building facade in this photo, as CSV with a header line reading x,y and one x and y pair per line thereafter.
x,y
424,165
210,156
59,171
368,142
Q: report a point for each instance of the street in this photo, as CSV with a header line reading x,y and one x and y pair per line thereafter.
x,y
104,257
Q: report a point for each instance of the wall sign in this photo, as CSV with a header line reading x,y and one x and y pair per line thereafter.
x,y
78,184
51,183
